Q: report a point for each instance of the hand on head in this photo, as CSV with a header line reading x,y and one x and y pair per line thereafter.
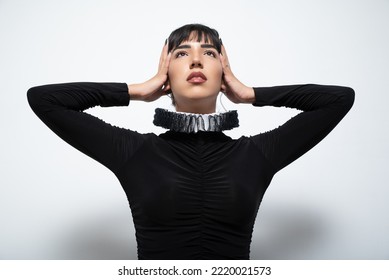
x,y
236,91
158,85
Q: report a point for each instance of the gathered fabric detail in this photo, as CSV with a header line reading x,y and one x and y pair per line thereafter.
x,y
192,123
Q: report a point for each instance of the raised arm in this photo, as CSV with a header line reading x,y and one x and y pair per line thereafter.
x,y
323,108
61,106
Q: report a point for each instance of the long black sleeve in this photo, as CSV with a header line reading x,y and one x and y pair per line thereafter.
x,y
61,106
323,108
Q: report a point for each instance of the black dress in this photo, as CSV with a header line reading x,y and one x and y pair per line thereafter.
x,y
192,195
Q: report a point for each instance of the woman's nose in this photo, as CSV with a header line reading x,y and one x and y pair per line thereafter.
x,y
196,63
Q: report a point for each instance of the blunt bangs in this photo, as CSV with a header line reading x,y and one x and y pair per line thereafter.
x,y
194,32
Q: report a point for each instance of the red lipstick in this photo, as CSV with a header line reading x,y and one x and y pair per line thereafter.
x,y
196,78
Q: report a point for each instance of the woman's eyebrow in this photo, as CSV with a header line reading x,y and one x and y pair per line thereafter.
x,y
204,46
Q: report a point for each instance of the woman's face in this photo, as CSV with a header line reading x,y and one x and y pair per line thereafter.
x,y
195,74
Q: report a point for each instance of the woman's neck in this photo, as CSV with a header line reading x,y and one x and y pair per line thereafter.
x,y
196,107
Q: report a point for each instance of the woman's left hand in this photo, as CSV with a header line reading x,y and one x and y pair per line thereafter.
x,y
236,91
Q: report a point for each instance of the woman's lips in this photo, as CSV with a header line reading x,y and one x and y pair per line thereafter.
x,y
196,78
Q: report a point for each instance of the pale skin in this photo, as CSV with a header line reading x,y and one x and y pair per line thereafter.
x,y
173,70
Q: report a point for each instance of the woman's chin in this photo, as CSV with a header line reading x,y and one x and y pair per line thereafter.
x,y
197,93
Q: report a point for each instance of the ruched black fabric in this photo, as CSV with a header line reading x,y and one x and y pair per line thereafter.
x,y
192,195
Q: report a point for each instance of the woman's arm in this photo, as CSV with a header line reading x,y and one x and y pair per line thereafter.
x,y
323,108
61,106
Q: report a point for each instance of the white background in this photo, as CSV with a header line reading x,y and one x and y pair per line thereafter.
x,y
56,203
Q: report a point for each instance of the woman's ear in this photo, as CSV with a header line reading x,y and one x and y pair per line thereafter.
x,y
166,87
223,86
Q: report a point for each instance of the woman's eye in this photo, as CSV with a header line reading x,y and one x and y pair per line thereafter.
x,y
210,53
180,54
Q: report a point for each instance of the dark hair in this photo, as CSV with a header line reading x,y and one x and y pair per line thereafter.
x,y
194,32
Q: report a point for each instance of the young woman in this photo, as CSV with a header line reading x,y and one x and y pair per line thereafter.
x,y
193,191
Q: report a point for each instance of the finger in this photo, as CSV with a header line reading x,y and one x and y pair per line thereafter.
x,y
224,53
165,64
224,59
161,58
226,68
163,55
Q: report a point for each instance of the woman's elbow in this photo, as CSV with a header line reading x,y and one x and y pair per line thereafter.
x,y
34,97
348,97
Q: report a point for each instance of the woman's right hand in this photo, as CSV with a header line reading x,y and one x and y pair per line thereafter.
x,y
157,86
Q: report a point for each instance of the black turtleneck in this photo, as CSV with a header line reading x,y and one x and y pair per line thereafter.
x,y
192,195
